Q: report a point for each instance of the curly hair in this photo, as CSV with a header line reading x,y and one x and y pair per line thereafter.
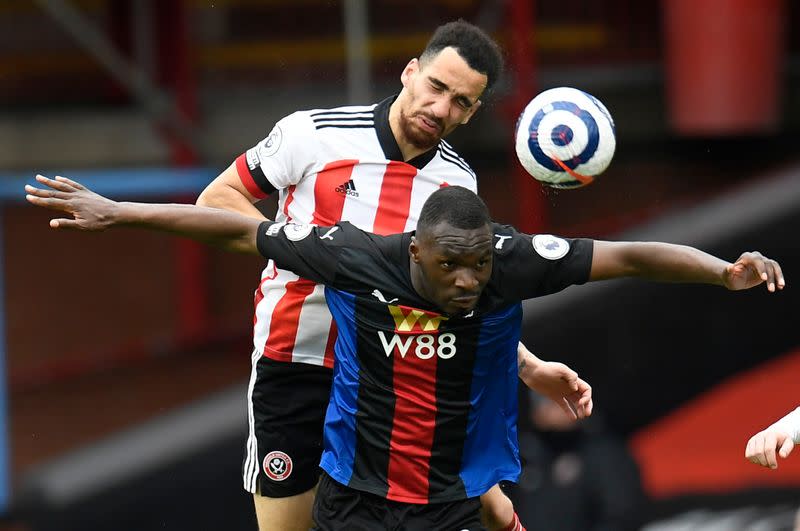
x,y
473,44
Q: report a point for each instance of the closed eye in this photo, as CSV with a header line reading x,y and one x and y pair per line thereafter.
x,y
438,86
464,103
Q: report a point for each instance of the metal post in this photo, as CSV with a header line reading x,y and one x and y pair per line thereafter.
x,y
4,427
356,29
192,260
531,203
144,50
154,101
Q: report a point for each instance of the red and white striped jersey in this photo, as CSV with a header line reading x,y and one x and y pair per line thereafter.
x,y
332,165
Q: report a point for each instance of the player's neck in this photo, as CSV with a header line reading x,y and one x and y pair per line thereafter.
x,y
409,151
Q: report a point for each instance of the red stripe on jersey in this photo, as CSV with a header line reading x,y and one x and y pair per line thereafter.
x,y
259,296
328,203
285,316
289,199
414,421
333,333
395,199
247,178
328,206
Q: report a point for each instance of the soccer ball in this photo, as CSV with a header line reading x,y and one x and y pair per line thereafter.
x,y
565,138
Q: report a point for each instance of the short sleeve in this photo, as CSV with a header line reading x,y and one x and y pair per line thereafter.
x,y
791,424
318,253
533,265
281,159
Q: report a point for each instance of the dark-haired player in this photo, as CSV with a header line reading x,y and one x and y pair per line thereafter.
x,y
422,416
374,166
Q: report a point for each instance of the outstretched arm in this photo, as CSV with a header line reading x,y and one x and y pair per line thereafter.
x,y
667,262
228,192
555,381
779,439
90,211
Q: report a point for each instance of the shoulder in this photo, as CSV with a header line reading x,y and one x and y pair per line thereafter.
x,y
390,248
537,253
370,239
309,120
345,117
508,240
455,163
551,247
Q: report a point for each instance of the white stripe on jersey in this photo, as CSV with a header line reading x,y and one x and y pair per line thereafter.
x,y
313,326
272,291
419,193
361,211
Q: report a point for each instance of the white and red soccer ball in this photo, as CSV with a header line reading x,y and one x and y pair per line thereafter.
x,y
565,138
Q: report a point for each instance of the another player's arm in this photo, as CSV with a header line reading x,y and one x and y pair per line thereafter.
x,y
778,439
667,262
90,211
228,192
556,381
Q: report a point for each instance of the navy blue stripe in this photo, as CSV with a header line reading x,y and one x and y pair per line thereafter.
x,y
340,433
491,445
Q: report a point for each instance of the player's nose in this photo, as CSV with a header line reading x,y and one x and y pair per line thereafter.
x,y
441,106
466,279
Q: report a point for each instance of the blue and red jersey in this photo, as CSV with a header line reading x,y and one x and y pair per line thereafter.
x,y
423,406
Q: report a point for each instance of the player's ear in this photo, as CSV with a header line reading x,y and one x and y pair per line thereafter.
x,y
409,71
413,250
471,112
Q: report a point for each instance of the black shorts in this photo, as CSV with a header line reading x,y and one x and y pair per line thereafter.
x,y
337,507
286,414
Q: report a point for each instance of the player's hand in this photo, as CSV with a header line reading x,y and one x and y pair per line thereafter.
x,y
751,269
562,385
763,447
89,211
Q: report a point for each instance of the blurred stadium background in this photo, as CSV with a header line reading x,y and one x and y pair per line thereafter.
x,y
125,355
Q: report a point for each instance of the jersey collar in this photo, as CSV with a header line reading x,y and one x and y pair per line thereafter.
x,y
388,143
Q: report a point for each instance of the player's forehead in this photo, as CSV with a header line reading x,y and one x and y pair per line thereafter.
x,y
449,68
448,240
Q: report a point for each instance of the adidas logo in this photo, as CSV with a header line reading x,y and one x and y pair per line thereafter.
x,y
348,188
